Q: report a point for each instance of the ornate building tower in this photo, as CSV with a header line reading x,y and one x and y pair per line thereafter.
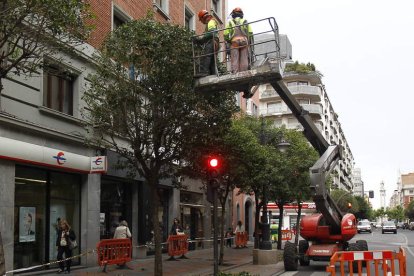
x,y
382,194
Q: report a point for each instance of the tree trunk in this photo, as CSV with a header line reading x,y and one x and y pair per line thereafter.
x,y
221,256
157,230
297,223
256,223
279,231
223,202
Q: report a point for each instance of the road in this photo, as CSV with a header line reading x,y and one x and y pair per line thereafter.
x,y
376,241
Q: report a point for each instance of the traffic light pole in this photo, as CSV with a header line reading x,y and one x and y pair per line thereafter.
x,y
215,237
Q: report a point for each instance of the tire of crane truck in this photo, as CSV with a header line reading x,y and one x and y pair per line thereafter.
x,y
303,247
290,257
363,244
358,246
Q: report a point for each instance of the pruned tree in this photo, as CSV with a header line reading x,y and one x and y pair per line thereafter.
x,y
301,157
32,29
142,104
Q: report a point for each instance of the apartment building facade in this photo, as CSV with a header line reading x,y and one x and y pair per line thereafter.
x,y
46,169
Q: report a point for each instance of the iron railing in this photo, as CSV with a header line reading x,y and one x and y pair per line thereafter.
x,y
263,44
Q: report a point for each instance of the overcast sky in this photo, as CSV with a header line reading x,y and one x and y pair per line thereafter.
x,y
365,50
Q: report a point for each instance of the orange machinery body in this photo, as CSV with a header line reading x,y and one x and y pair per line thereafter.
x,y
312,228
324,242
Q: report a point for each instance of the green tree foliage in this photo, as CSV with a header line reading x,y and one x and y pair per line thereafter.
x,y
32,29
364,210
300,68
342,198
150,114
396,213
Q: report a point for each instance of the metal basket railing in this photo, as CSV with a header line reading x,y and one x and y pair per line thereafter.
x,y
263,44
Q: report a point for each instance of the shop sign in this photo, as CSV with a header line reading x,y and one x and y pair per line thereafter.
x,y
98,164
39,155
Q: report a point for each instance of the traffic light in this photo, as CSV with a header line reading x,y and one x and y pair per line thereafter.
x,y
371,194
349,205
213,170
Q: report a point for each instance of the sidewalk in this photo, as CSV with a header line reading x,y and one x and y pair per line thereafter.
x,y
199,262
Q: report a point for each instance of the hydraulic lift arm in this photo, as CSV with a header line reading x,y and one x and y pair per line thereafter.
x,y
319,172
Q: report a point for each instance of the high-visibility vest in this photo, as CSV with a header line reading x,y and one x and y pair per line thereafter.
x,y
237,27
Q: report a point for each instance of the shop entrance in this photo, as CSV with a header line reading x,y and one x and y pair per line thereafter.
x,y
42,197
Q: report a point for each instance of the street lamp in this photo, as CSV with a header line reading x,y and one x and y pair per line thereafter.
x,y
266,244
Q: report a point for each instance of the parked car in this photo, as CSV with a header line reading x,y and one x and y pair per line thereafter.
x,y
411,226
364,226
378,225
400,225
389,226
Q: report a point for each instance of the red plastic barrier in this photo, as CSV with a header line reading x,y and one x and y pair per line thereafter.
x,y
385,262
286,235
114,251
177,245
241,239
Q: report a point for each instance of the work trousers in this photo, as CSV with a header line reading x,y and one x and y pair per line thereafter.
x,y
68,254
239,54
207,61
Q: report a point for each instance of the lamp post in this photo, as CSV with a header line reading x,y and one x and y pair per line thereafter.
x,y
266,244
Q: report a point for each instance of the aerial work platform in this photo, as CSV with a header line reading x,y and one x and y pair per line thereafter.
x,y
268,72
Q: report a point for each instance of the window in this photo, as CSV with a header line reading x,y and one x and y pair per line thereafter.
x,y
303,101
119,17
58,89
411,191
189,19
216,7
274,107
162,7
254,109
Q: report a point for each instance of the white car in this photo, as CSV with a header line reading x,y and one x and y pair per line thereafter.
x,y
364,226
389,226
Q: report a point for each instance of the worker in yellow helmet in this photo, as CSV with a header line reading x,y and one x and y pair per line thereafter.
x,y
210,42
238,33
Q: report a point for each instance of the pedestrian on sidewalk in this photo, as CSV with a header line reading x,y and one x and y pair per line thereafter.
x,y
63,242
122,231
239,232
229,237
176,228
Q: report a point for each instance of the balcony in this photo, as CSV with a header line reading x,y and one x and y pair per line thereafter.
x,y
308,91
313,109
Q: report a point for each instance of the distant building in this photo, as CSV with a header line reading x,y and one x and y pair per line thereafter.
x,y
357,182
407,188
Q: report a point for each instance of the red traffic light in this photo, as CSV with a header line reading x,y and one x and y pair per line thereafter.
x,y
213,162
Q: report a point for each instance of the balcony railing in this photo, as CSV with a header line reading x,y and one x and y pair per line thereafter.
x,y
295,90
281,110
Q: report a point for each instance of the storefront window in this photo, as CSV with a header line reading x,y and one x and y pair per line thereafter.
x,y
116,205
42,196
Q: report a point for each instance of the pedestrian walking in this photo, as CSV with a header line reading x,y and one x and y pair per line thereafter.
x,y
65,241
122,231
176,228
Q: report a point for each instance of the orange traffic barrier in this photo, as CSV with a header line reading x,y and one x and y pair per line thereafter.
x,y
241,239
114,251
361,261
177,245
286,235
